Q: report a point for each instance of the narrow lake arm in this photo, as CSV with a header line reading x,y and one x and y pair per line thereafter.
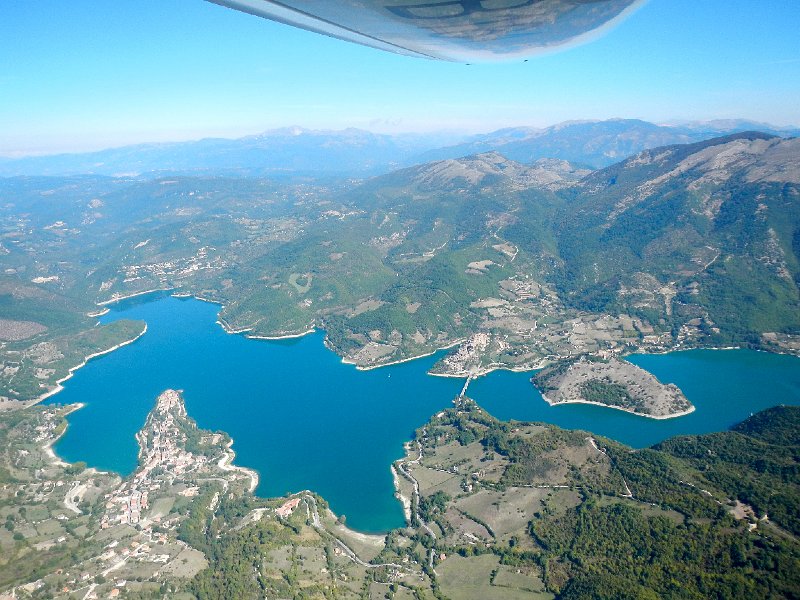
x,y
177,522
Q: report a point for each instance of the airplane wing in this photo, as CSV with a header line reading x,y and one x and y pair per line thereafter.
x,y
453,30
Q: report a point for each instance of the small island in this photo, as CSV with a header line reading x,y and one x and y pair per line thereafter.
x,y
613,383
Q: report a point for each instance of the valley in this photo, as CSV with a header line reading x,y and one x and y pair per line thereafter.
x,y
478,262
512,266
399,300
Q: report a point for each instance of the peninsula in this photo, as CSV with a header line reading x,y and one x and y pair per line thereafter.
x,y
494,510
613,383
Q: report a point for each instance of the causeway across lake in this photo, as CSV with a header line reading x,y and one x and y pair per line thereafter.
x,y
305,420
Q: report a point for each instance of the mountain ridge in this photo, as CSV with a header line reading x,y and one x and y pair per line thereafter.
x,y
357,152
596,144
518,266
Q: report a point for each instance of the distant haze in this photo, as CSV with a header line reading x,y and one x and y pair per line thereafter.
x,y
356,152
83,75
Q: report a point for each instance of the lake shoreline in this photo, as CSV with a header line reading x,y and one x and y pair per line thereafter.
x,y
481,372
346,361
402,498
47,448
226,464
58,385
299,417
682,413
287,336
115,299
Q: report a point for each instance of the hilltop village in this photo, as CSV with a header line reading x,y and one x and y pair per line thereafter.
x,y
487,507
536,265
115,537
122,531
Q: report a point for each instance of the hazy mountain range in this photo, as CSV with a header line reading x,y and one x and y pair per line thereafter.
x,y
595,144
354,152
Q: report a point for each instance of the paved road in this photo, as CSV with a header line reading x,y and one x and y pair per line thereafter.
x,y
317,523
76,489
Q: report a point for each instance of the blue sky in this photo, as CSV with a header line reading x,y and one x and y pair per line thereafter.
x,y
84,74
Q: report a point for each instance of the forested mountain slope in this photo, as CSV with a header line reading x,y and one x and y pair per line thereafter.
x,y
715,224
518,265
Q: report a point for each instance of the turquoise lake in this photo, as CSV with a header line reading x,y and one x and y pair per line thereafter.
x,y
304,420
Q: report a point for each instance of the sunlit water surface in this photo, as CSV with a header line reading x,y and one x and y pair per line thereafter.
x,y
304,420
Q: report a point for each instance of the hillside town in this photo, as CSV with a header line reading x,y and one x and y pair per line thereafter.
x,y
131,528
